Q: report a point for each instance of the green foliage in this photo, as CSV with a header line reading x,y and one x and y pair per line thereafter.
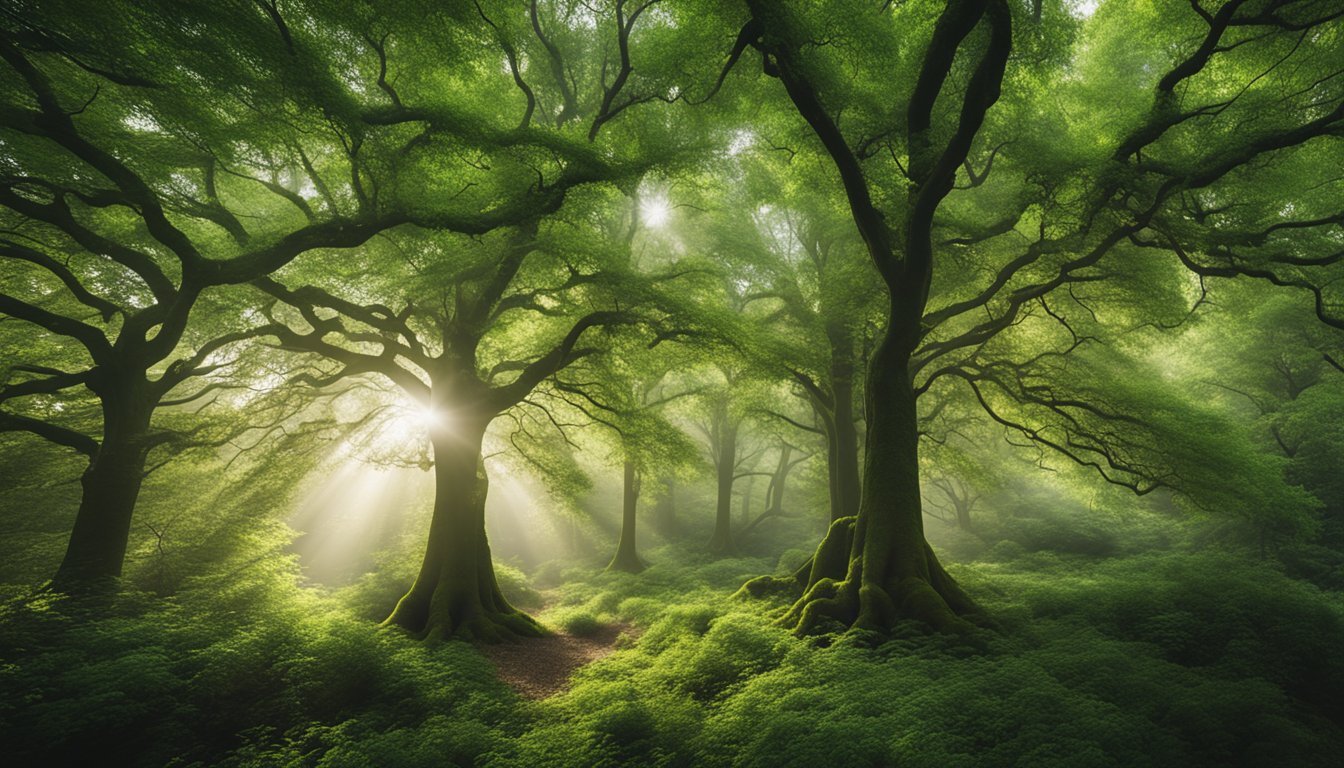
x,y
1142,661
575,621
1158,659
147,681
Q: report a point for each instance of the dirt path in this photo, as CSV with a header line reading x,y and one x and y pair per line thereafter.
x,y
541,667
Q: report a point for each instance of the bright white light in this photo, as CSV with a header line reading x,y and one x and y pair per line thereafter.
x,y
741,142
353,510
414,421
141,122
1084,9
655,211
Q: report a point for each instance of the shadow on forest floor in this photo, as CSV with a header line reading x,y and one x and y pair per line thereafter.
x,y
538,668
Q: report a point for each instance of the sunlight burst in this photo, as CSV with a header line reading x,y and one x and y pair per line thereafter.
x,y
655,212
414,421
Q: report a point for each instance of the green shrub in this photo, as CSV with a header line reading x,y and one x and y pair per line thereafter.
x,y
576,621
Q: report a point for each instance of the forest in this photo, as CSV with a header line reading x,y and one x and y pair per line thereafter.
x,y
672,383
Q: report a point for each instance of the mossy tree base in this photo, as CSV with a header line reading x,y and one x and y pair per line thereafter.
x,y
834,547
456,595
887,572
450,611
856,603
829,590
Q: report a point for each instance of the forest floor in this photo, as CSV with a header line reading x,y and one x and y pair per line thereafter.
x,y
1163,658
541,667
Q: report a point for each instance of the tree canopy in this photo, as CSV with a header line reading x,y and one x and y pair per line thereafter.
x,y
908,239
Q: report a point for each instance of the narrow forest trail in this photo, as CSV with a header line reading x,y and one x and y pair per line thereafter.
x,y
541,667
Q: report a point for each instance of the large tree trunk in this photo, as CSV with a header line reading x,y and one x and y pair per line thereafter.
x,y
627,556
455,594
721,543
842,437
890,572
111,485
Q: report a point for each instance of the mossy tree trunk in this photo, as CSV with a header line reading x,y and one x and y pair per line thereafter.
x,y
455,593
876,568
627,555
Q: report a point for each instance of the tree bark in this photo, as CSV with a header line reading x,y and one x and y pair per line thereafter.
x,y
890,572
627,555
111,485
455,593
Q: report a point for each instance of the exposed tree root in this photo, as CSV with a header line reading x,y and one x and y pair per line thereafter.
x,y
872,607
453,609
832,591
771,586
475,623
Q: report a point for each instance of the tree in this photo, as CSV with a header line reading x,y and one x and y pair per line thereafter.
x,y
892,571
1281,379
826,296
114,214
774,492
479,334
648,443
721,426
1155,184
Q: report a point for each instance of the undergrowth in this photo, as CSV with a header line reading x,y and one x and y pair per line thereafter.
x,y
1163,659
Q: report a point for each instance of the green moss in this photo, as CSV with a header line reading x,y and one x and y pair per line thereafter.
x,y
577,622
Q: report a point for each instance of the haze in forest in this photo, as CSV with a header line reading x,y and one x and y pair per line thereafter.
x,y
672,382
